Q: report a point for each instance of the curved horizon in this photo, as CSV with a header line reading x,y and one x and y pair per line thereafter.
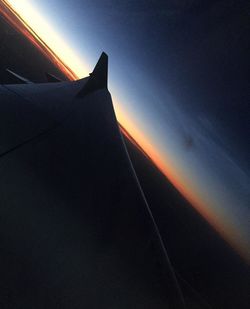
x,y
208,202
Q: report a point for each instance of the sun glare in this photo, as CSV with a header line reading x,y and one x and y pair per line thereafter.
x,y
48,35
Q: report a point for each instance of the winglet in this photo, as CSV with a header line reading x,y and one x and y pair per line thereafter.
x,y
98,79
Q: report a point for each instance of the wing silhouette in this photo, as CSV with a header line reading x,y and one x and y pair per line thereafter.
x,y
77,231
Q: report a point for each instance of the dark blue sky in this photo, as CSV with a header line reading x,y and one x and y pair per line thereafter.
x,y
180,69
196,52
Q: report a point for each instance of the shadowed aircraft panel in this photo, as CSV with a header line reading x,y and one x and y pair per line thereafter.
x,y
52,78
76,230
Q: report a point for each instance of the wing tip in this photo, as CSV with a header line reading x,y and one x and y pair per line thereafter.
x,y
98,79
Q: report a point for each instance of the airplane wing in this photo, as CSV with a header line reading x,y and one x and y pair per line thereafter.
x,y
76,230
52,78
14,78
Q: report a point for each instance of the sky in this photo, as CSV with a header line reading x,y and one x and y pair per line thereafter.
x,y
178,77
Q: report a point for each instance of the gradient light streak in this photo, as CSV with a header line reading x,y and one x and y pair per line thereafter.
x,y
37,29
198,198
46,33
18,23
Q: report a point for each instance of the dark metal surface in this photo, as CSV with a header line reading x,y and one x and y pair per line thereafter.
x,y
76,231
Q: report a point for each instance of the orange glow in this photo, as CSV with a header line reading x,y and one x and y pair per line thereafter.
x,y
188,190
19,24
65,60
